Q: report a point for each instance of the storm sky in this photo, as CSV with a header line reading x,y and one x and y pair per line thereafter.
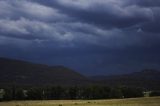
x,y
93,37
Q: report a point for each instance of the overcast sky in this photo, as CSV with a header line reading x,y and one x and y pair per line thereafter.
x,y
90,36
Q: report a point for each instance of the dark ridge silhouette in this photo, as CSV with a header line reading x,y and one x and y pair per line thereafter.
x,y
147,78
21,72
16,72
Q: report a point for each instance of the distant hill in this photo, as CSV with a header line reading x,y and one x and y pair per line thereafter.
x,y
148,78
26,73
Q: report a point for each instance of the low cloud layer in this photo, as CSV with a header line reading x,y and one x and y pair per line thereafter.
x,y
82,33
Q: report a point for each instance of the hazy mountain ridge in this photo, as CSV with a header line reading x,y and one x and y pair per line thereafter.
x,y
21,72
26,73
147,78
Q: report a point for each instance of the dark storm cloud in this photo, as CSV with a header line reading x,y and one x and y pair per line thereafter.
x,y
78,21
83,34
106,13
111,13
147,3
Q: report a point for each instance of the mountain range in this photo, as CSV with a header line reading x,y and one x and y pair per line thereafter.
x,y
26,73
147,78
22,72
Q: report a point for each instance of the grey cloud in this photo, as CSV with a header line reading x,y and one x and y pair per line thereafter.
x,y
106,13
98,33
24,28
147,3
154,25
29,9
111,13
101,22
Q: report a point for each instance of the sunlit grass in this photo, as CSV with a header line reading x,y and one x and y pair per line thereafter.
x,y
154,101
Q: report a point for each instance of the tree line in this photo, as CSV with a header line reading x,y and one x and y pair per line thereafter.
x,y
74,92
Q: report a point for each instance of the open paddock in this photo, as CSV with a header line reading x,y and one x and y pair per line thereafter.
x,y
148,101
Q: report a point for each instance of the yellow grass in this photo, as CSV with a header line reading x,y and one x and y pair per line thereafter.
x,y
154,101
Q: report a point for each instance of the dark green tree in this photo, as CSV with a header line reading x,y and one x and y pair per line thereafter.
x,y
19,95
35,94
132,92
57,93
8,95
155,93
116,93
73,92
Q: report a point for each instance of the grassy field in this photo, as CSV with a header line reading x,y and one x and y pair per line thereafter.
x,y
154,101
